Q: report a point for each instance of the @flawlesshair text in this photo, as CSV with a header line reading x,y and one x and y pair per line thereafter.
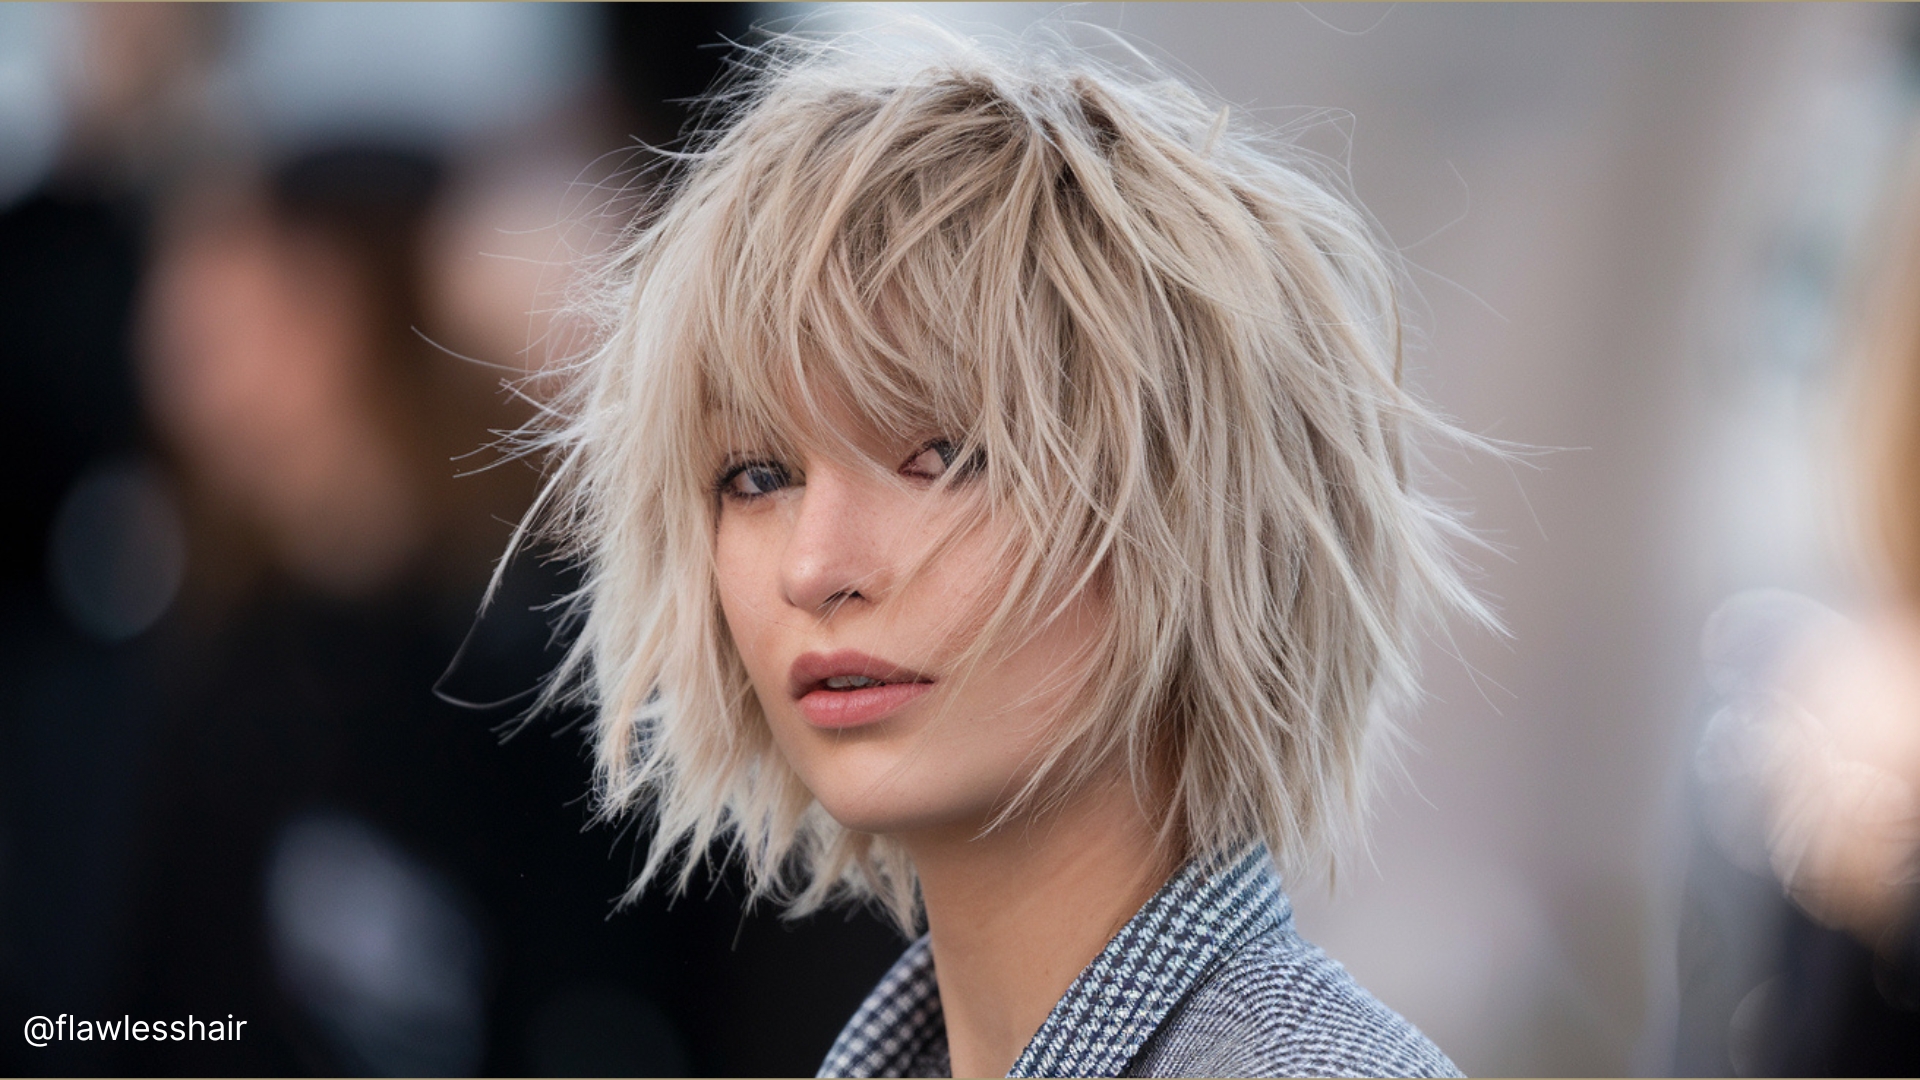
x,y
66,1027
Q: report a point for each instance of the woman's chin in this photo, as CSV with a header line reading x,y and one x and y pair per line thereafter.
x,y
896,815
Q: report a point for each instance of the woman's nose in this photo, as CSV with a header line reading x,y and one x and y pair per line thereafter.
x,y
834,553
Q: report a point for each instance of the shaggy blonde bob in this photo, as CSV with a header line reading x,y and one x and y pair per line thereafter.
x,y
1171,356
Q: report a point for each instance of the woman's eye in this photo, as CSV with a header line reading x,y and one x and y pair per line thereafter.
x,y
940,457
933,460
754,479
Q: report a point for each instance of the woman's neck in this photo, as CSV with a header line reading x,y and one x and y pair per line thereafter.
x,y
1014,916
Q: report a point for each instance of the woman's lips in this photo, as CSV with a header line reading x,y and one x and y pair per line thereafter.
x,y
825,708
828,708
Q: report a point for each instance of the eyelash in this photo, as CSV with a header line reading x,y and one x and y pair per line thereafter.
x,y
973,466
943,447
723,486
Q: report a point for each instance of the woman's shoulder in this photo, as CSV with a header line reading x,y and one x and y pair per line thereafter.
x,y
1278,1006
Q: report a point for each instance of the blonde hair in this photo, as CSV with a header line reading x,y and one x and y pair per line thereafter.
x,y
1172,353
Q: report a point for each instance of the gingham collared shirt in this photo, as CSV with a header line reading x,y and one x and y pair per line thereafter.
x,y
1208,979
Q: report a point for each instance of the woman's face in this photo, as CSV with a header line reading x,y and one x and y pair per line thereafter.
x,y
855,657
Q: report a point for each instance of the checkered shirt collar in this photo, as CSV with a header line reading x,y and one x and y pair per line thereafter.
x,y
1197,918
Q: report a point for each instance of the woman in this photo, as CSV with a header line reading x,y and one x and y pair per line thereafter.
x,y
993,491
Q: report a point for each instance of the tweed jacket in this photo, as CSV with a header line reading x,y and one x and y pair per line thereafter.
x,y
1208,979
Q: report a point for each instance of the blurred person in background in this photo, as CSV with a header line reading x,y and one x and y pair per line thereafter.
x,y
93,555
313,430
232,786
1801,953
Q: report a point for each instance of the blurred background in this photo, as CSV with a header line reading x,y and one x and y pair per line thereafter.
x,y
264,271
